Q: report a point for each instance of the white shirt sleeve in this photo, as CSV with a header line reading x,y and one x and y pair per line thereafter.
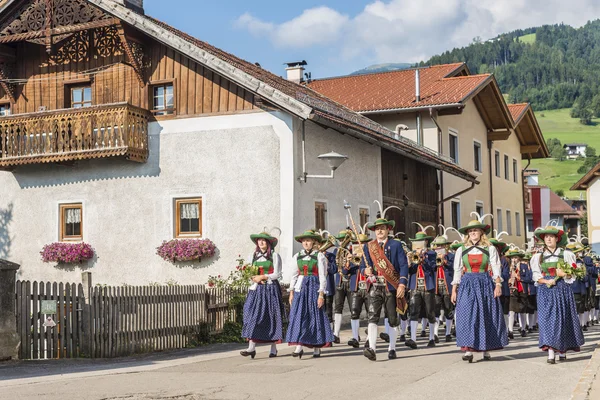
x,y
276,267
569,258
458,266
322,265
295,272
536,268
495,263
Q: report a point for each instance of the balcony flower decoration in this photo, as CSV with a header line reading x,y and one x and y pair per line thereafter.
x,y
186,249
67,253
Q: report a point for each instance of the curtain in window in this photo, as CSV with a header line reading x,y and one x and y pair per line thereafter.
x,y
73,215
190,211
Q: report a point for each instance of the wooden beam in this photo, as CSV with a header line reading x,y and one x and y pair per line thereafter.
x,y
48,26
499,135
19,37
530,149
130,56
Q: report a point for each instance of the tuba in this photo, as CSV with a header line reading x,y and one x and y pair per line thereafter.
x,y
340,257
329,243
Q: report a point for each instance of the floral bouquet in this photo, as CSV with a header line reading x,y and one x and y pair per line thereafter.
x,y
247,271
573,270
69,253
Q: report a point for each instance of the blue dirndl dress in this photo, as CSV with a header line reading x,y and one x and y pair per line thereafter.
x,y
479,318
263,309
308,324
557,314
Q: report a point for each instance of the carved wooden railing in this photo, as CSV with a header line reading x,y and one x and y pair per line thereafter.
x,y
74,134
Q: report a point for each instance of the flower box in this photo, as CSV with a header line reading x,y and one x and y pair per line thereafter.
x,y
67,253
186,249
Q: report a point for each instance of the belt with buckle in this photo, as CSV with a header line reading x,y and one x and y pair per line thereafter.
x,y
380,281
362,285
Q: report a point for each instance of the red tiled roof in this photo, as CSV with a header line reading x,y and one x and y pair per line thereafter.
x,y
396,89
557,205
517,110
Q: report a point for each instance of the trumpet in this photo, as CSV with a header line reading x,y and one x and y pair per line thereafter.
x,y
439,261
415,257
329,243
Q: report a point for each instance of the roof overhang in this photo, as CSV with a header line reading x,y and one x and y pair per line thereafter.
x,y
530,135
588,179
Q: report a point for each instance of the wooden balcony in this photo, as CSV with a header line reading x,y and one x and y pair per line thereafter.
x,y
108,130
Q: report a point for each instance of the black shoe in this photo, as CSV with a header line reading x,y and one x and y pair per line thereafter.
x,y
246,353
272,355
487,357
392,355
448,338
384,336
367,331
523,333
535,328
354,343
511,335
410,343
436,338
468,358
423,334
562,358
299,355
403,338
370,354
584,328
551,361
431,343
587,324
367,344
336,339
530,330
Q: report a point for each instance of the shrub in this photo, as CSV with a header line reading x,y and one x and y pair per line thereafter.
x,y
186,249
69,253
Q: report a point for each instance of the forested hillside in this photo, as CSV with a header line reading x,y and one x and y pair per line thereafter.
x,y
553,66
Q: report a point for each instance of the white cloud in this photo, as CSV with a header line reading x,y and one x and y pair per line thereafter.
x,y
315,26
411,30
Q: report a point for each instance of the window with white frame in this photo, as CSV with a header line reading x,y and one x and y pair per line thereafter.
x,y
518,223
477,156
479,207
499,219
453,145
455,206
508,222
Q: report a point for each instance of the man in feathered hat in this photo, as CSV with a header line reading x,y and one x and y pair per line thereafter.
x,y
579,285
345,277
386,268
444,275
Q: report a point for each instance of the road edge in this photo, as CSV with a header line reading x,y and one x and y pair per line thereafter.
x,y
582,390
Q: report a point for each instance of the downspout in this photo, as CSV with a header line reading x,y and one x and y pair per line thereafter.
x,y
523,190
441,212
418,99
490,144
459,193
304,173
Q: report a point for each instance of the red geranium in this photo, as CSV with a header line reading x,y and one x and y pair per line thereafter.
x,y
574,265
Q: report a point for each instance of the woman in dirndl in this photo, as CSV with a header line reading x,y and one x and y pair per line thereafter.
x,y
559,327
479,319
263,310
308,324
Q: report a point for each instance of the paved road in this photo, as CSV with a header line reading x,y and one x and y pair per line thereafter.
x,y
219,372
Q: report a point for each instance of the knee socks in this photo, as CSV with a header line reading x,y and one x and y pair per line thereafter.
x,y
550,354
413,330
424,323
431,332
393,336
506,323
372,329
448,327
337,322
403,325
523,321
355,323
273,348
386,326
251,346
436,326
298,349
511,321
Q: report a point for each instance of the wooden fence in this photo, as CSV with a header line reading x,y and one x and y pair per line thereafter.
x,y
102,322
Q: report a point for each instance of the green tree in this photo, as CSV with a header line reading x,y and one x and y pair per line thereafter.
x,y
560,192
590,151
585,117
558,153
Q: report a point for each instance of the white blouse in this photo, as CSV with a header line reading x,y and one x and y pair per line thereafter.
x,y
276,268
296,281
536,263
494,261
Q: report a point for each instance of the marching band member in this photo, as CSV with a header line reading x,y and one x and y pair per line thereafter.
x,y
443,286
263,309
592,274
518,291
359,296
308,325
579,286
559,326
344,274
479,324
421,285
505,297
331,270
386,268
531,297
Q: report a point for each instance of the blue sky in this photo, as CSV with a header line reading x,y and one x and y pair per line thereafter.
x,y
338,37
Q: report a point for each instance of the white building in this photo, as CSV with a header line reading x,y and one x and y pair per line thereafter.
x,y
590,182
575,150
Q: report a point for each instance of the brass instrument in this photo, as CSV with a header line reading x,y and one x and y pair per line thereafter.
x,y
439,261
329,243
342,252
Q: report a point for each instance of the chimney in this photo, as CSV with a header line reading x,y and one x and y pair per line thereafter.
x,y
135,5
295,71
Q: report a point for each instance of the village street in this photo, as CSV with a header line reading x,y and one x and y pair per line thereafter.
x,y
219,372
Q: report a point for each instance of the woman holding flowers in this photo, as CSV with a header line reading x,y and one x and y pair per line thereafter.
x,y
263,312
479,318
308,324
552,270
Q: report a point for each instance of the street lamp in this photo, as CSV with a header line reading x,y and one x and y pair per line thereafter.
x,y
333,159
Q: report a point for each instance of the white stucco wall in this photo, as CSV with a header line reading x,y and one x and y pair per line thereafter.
x,y
357,181
593,210
232,161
